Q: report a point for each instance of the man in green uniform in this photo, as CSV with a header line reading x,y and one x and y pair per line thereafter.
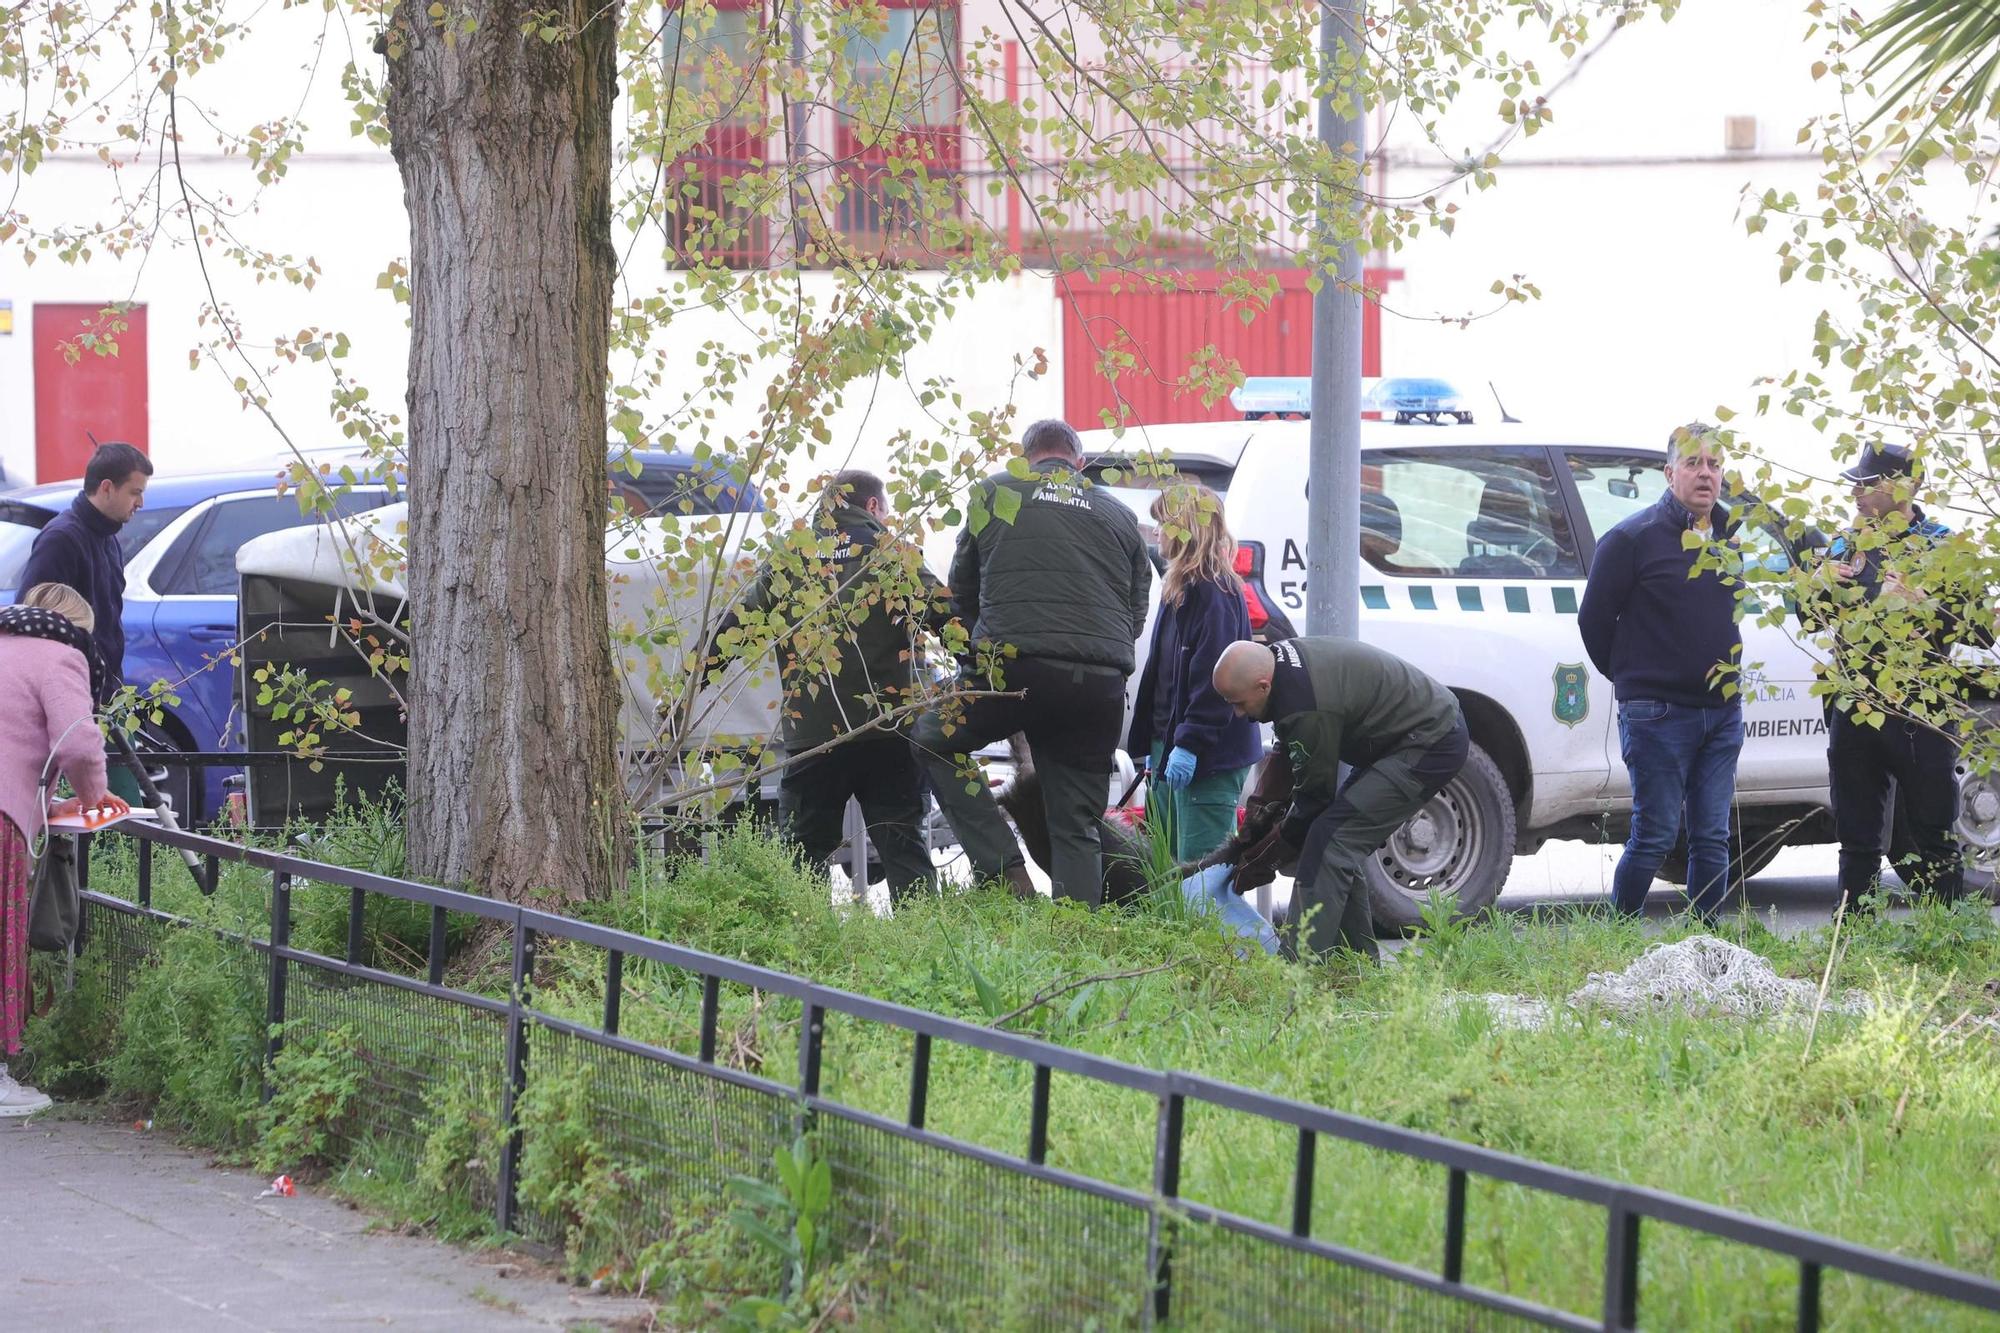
x,y
1054,571
1334,702
846,614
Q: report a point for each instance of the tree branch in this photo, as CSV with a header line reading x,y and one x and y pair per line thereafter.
x,y
1057,992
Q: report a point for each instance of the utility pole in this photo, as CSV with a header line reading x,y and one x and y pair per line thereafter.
x,y
1333,492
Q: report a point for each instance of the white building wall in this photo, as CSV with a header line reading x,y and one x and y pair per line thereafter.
x,y
1655,305
1628,212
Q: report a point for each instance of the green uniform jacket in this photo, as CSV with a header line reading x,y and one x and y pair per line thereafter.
x,y
1067,578
1336,701
874,661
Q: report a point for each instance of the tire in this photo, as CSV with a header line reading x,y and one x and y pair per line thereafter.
x,y
1751,848
1461,843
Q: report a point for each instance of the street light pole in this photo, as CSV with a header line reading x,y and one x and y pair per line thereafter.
x,y
1333,492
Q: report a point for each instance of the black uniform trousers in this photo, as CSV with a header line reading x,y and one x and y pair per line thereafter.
x,y
1330,895
879,771
1073,715
1861,763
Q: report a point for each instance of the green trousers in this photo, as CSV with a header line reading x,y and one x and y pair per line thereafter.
x,y
1200,816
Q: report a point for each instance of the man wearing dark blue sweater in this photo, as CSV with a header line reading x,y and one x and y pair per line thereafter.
x,y
79,547
1669,643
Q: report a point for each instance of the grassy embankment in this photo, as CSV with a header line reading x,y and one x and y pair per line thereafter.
x,y
1882,1129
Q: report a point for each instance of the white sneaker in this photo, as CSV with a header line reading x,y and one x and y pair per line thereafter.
x,y
18,1099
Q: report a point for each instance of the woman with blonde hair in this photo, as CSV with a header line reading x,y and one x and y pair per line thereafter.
x,y
1194,746
49,675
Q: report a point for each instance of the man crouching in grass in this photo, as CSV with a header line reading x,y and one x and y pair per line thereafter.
x,y
1334,702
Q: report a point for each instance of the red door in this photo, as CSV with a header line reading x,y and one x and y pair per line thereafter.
x,y
1154,335
90,380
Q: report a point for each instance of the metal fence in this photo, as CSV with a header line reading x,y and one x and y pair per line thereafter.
x,y
979,1236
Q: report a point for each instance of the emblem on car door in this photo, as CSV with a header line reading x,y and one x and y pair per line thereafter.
x,y
1571,703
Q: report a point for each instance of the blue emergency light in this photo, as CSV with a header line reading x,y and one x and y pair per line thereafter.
x,y
1406,398
1281,396
1431,400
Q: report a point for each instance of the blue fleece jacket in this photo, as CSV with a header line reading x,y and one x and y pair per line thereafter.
x,y
1655,632
80,548
1177,703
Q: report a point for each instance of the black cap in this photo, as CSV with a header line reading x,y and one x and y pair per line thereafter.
x,y
1878,463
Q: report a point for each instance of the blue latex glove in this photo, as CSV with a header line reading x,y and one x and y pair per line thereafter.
x,y
1210,893
1179,768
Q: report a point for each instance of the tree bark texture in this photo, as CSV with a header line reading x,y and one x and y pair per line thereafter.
x,y
504,143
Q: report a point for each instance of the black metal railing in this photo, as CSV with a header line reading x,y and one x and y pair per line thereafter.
x,y
1167,1220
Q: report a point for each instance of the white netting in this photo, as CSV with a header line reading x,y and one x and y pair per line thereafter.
x,y
1701,975
1509,1011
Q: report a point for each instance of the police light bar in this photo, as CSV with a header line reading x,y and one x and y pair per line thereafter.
x,y
1413,399
1262,396
1405,398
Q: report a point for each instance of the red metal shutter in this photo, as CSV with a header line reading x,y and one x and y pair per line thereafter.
x,y
1162,331
98,394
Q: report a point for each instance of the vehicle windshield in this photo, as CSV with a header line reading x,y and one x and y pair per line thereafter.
x,y
16,540
1214,475
672,492
145,525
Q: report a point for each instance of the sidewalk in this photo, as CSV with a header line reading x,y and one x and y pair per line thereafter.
x,y
106,1227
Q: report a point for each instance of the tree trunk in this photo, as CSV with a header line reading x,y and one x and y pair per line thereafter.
x,y
504,142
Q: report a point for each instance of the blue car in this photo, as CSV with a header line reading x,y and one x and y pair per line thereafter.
x,y
180,598
180,581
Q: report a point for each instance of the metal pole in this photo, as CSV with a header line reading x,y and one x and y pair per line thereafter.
x,y
856,827
1333,496
796,128
168,816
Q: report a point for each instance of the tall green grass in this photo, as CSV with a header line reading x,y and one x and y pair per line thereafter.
x,y
1881,1128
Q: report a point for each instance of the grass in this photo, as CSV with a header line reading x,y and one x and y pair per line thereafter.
x,y
1884,1131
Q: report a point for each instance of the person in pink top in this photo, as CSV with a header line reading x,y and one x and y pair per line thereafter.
x,y
47,723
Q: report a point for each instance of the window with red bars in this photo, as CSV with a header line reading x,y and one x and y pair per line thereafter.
x,y
896,182
885,163
712,214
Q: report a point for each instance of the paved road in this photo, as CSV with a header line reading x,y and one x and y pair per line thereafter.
x,y
104,1227
1796,892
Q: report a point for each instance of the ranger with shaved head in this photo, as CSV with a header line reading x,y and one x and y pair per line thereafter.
x,y
1334,702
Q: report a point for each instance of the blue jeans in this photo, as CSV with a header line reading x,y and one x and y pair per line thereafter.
x,y
1682,760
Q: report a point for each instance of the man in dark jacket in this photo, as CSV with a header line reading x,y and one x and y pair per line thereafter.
x,y
1053,576
79,547
1334,702
1669,644
1874,584
846,616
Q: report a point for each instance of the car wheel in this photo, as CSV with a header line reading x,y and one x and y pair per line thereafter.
x,y
1751,848
1461,844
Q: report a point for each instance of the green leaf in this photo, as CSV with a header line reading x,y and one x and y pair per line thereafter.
x,y
819,1189
989,995
1006,504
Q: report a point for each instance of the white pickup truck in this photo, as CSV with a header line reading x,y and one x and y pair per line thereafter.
x,y
1476,541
